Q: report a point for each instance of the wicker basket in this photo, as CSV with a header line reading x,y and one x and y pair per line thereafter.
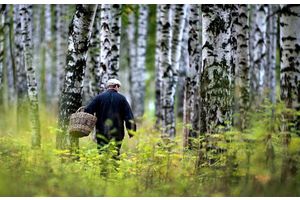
x,y
81,123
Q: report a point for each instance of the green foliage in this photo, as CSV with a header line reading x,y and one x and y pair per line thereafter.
x,y
250,163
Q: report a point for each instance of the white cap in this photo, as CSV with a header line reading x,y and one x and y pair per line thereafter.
x,y
113,82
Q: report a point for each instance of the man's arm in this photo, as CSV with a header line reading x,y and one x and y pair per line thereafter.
x,y
129,119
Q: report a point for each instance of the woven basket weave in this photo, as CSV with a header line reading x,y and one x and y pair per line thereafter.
x,y
81,123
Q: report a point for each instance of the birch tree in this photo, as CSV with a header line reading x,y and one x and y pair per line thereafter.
x,y
138,72
259,53
105,43
61,46
94,52
191,94
115,40
167,122
79,37
10,66
169,62
183,65
270,71
21,82
290,61
2,20
216,77
26,30
242,80
48,45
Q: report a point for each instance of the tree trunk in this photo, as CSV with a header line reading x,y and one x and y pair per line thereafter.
x,y
2,20
10,66
167,122
270,71
138,84
71,97
105,41
290,63
37,36
21,82
184,63
26,30
61,46
216,77
94,59
191,95
48,51
115,40
242,76
132,57
259,53
158,70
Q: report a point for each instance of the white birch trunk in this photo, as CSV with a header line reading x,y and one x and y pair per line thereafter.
x,y
10,67
290,61
138,73
21,82
2,53
242,80
26,30
115,40
71,98
48,51
183,65
191,97
216,77
132,56
94,58
158,70
37,33
270,78
61,47
167,102
105,41
2,20
259,53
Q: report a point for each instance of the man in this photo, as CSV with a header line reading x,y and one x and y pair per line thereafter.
x,y
112,110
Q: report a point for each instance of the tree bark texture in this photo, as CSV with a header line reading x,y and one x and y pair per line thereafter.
x,y
259,53
270,71
2,43
61,46
71,97
192,81
290,61
167,122
105,41
48,51
115,40
138,73
27,42
216,77
158,69
132,54
242,76
19,63
94,52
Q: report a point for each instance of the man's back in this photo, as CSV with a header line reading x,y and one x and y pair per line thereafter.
x,y
111,109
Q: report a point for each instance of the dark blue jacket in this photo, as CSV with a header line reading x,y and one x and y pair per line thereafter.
x,y
112,110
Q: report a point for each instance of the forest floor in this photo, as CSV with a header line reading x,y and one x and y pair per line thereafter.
x,y
250,166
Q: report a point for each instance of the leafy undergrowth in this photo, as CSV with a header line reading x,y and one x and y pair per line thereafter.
x,y
252,163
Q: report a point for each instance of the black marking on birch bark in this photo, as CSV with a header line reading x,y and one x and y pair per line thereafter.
x,y
217,26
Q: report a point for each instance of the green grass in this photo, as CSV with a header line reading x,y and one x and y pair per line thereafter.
x,y
147,166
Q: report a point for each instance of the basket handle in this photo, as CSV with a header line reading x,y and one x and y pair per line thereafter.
x,y
79,109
